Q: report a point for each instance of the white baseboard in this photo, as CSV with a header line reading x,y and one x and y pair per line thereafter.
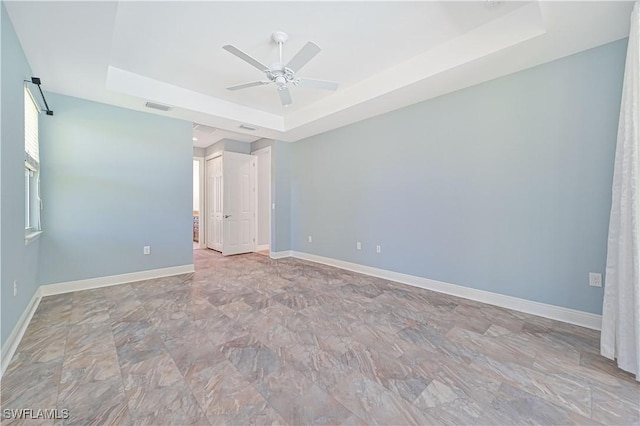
x,y
559,313
12,342
262,247
280,254
67,287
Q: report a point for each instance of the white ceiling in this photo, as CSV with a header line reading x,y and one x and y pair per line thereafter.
x,y
385,55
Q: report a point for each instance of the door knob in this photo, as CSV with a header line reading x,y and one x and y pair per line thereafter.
x,y
227,216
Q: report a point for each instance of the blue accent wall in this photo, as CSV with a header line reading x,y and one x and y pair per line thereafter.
x,y
113,180
17,261
504,186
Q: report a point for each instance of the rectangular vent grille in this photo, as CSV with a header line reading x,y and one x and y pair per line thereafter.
x,y
204,129
158,106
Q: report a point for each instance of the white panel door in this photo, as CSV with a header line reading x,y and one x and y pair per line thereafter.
x,y
215,199
238,181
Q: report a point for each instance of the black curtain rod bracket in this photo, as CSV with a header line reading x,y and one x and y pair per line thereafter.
x,y
37,82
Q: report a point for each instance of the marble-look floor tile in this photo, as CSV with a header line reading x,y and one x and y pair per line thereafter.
x,y
94,402
449,403
514,406
251,357
45,345
80,367
251,340
30,384
156,372
493,347
559,390
609,408
374,404
191,348
174,405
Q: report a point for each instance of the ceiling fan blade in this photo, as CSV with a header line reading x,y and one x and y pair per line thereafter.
x,y
285,95
244,86
303,56
319,84
248,59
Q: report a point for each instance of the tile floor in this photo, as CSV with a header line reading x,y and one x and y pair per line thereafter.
x,y
250,340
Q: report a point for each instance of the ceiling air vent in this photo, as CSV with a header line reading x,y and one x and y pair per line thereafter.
x,y
244,126
204,129
158,106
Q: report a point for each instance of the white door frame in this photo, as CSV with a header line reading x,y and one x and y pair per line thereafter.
x,y
205,188
201,177
256,153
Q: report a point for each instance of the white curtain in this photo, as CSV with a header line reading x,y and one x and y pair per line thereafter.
x,y
620,339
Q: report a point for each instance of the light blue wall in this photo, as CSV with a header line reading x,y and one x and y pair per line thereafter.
x,y
113,181
228,145
280,191
17,261
504,186
237,146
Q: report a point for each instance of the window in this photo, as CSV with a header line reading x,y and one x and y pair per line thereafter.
x,y
31,166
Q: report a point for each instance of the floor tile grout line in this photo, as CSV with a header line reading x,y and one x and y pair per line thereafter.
x,y
168,352
124,389
64,354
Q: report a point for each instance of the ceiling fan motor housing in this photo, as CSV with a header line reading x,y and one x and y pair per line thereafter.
x,y
281,75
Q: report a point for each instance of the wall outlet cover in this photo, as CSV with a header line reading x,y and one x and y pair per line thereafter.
x,y
595,279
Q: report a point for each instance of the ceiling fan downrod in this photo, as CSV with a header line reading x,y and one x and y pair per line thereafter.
x,y
281,38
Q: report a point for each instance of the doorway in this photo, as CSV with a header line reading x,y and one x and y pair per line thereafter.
x,y
198,203
230,211
214,203
263,200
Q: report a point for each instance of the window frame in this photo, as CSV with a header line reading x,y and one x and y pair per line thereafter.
x,y
33,227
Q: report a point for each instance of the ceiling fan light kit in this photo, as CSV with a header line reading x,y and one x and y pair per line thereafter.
x,y
279,73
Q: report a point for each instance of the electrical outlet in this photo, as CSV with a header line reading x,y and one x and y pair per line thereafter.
x,y
378,249
595,279
358,246
310,239
147,250
15,288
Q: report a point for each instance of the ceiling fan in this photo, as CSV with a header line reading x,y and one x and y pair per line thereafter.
x,y
279,73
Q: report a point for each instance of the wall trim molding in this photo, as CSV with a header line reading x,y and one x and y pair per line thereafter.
x,y
280,254
70,286
559,313
261,247
12,342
